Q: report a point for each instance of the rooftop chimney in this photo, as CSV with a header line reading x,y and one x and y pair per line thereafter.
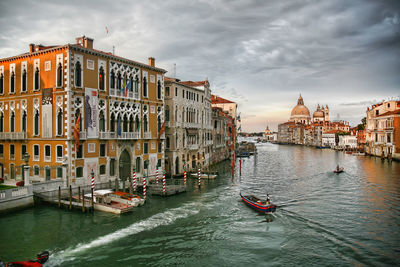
x,y
152,61
84,41
31,48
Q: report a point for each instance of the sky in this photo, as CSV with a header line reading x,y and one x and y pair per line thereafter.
x,y
260,54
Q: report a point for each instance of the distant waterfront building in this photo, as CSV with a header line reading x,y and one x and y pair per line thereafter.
x,y
222,135
383,129
301,129
268,135
188,125
328,139
116,103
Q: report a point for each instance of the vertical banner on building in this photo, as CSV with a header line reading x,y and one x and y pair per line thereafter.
x,y
152,164
47,113
91,115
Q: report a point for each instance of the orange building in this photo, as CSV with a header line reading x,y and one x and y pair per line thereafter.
x,y
119,103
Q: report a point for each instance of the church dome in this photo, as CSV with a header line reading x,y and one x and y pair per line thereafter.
x,y
300,109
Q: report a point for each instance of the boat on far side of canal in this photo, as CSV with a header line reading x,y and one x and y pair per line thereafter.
x,y
204,175
338,170
258,204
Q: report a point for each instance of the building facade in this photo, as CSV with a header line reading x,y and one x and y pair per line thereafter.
x,y
115,104
188,125
383,129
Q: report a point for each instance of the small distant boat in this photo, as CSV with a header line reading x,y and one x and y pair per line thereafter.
x,y
126,198
204,175
41,258
358,154
258,204
243,154
338,170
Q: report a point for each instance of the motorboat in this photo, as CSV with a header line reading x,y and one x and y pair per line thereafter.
x,y
204,175
258,204
127,198
103,202
41,258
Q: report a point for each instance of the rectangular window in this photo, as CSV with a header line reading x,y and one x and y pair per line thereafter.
x,y
12,152
137,165
36,151
159,147
36,170
47,171
145,148
79,154
167,91
102,150
176,91
102,169
59,153
23,151
1,150
47,153
112,167
183,93
79,172
59,172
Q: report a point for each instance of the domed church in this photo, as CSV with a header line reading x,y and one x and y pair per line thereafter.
x,y
300,113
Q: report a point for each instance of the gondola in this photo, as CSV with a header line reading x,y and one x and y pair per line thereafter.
x,y
41,258
258,204
339,170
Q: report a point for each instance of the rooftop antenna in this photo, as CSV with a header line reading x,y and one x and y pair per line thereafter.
x,y
174,70
113,50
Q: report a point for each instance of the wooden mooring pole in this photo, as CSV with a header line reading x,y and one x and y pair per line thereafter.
x,y
79,194
83,201
70,197
59,197
92,199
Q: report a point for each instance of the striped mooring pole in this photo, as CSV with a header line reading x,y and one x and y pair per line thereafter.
x,y
92,179
157,175
163,183
184,177
134,180
199,176
144,187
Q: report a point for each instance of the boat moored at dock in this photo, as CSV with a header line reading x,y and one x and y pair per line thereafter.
x,y
104,202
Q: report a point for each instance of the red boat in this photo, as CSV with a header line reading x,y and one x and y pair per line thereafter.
x,y
258,204
41,258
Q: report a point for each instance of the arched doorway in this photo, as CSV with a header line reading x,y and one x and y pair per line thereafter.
x,y
177,165
124,165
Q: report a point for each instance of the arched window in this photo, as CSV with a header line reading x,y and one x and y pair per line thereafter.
x,y
166,113
1,83
159,90
101,78
131,123
131,83
78,74
12,122
59,75
125,124
138,164
137,124
112,80
23,81
144,87
1,122
36,122
167,141
36,81
24,121
136,84
102,122
145,123
112,123
12,83
119,78
59,122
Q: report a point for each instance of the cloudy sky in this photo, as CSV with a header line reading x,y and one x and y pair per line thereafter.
x,y
260,54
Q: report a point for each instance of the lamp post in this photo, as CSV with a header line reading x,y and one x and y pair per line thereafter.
x,y
26,169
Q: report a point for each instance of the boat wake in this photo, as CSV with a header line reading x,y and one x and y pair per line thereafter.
x,y
164,218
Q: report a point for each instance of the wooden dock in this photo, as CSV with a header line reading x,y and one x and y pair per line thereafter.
x,y
84,207
157,189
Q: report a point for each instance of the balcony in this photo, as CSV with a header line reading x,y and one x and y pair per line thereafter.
x,y
208,142
13,136
129,135
82,135
147,135
191,125
193,147
107,135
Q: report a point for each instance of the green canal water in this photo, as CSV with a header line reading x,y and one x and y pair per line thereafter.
x,y
323,219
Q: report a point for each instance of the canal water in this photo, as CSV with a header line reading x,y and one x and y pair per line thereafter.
x,y
350,219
